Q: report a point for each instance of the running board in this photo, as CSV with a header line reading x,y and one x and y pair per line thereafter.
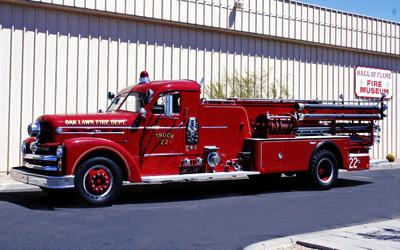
x,y
199,177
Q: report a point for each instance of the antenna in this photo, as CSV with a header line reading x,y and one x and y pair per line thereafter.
x,y
201,83
341,97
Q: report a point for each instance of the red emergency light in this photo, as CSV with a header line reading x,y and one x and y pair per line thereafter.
x,y
144,77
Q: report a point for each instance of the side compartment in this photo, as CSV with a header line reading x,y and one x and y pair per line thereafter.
x,y
290,154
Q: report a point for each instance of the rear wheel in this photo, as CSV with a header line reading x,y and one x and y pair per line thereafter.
x,y
324,169
98,181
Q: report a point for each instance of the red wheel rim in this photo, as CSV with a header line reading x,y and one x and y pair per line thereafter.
x,y
325,170
98,181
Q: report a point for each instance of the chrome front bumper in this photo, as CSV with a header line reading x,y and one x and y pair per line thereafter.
x,y
57,182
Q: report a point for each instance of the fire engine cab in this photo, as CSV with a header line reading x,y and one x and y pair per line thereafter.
x,y
162,131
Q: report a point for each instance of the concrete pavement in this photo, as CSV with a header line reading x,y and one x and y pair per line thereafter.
x,y
9,185
376,235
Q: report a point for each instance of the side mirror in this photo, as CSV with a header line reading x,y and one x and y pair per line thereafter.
x,y
110,95
147,97
149,93
143,112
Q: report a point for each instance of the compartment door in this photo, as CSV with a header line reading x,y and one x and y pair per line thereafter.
x,y
285,156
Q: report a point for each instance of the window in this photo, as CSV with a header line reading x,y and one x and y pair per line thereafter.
x,y
169,104
176,103
159,106
131,102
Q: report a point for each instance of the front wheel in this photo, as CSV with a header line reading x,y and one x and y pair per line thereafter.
x,y
98,181
324,169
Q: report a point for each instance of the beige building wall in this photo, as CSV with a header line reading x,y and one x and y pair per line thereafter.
x,y
63,56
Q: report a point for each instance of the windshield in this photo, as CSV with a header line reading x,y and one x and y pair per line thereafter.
x,y
131,102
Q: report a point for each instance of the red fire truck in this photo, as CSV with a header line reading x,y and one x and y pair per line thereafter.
x,y
162,131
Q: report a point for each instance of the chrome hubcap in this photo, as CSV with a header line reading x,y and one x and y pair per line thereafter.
x,y
325,170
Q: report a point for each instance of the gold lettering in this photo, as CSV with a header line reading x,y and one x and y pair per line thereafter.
x,y
87,122
70,122
118,122
96,122
165,138
102,122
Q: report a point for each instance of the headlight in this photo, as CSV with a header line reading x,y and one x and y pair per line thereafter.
x,y
59,130
60,151
24,148
34,129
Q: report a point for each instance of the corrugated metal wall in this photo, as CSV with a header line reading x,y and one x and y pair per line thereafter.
x,y
281,18
60,59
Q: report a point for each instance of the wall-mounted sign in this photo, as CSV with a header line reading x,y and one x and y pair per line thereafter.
x,y
373,83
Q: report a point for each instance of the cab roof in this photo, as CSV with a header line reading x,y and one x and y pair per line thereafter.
x,y
164,86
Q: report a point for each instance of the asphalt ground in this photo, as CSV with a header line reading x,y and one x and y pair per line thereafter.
x,y
208,215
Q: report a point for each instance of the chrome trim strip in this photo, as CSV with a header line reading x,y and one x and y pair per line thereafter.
x,y
117,127
358,155
157,127
40,157
56,182
93,133
40,167
199,177
214,127
96,127
214,101
299,138
163,154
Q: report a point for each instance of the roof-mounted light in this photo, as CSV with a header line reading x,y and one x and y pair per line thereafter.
x,y
144,77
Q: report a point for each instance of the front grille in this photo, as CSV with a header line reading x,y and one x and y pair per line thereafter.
x,y
41,162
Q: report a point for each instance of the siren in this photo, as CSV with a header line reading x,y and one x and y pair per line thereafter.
x,y
144,77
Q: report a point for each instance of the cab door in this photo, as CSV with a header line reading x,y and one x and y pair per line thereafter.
x,y
162,143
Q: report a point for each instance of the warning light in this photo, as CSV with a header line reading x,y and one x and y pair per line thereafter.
x,y
144,77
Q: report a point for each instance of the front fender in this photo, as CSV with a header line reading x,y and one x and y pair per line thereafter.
x,y
77,148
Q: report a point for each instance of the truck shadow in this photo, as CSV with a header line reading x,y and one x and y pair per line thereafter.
x,y
218,189
174,192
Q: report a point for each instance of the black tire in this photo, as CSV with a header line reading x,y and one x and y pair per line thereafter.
x,y
324,169
98,181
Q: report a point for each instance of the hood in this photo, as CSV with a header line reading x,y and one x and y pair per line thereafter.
x,y
118,119
54,127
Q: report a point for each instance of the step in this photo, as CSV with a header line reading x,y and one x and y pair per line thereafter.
x,y
199,177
